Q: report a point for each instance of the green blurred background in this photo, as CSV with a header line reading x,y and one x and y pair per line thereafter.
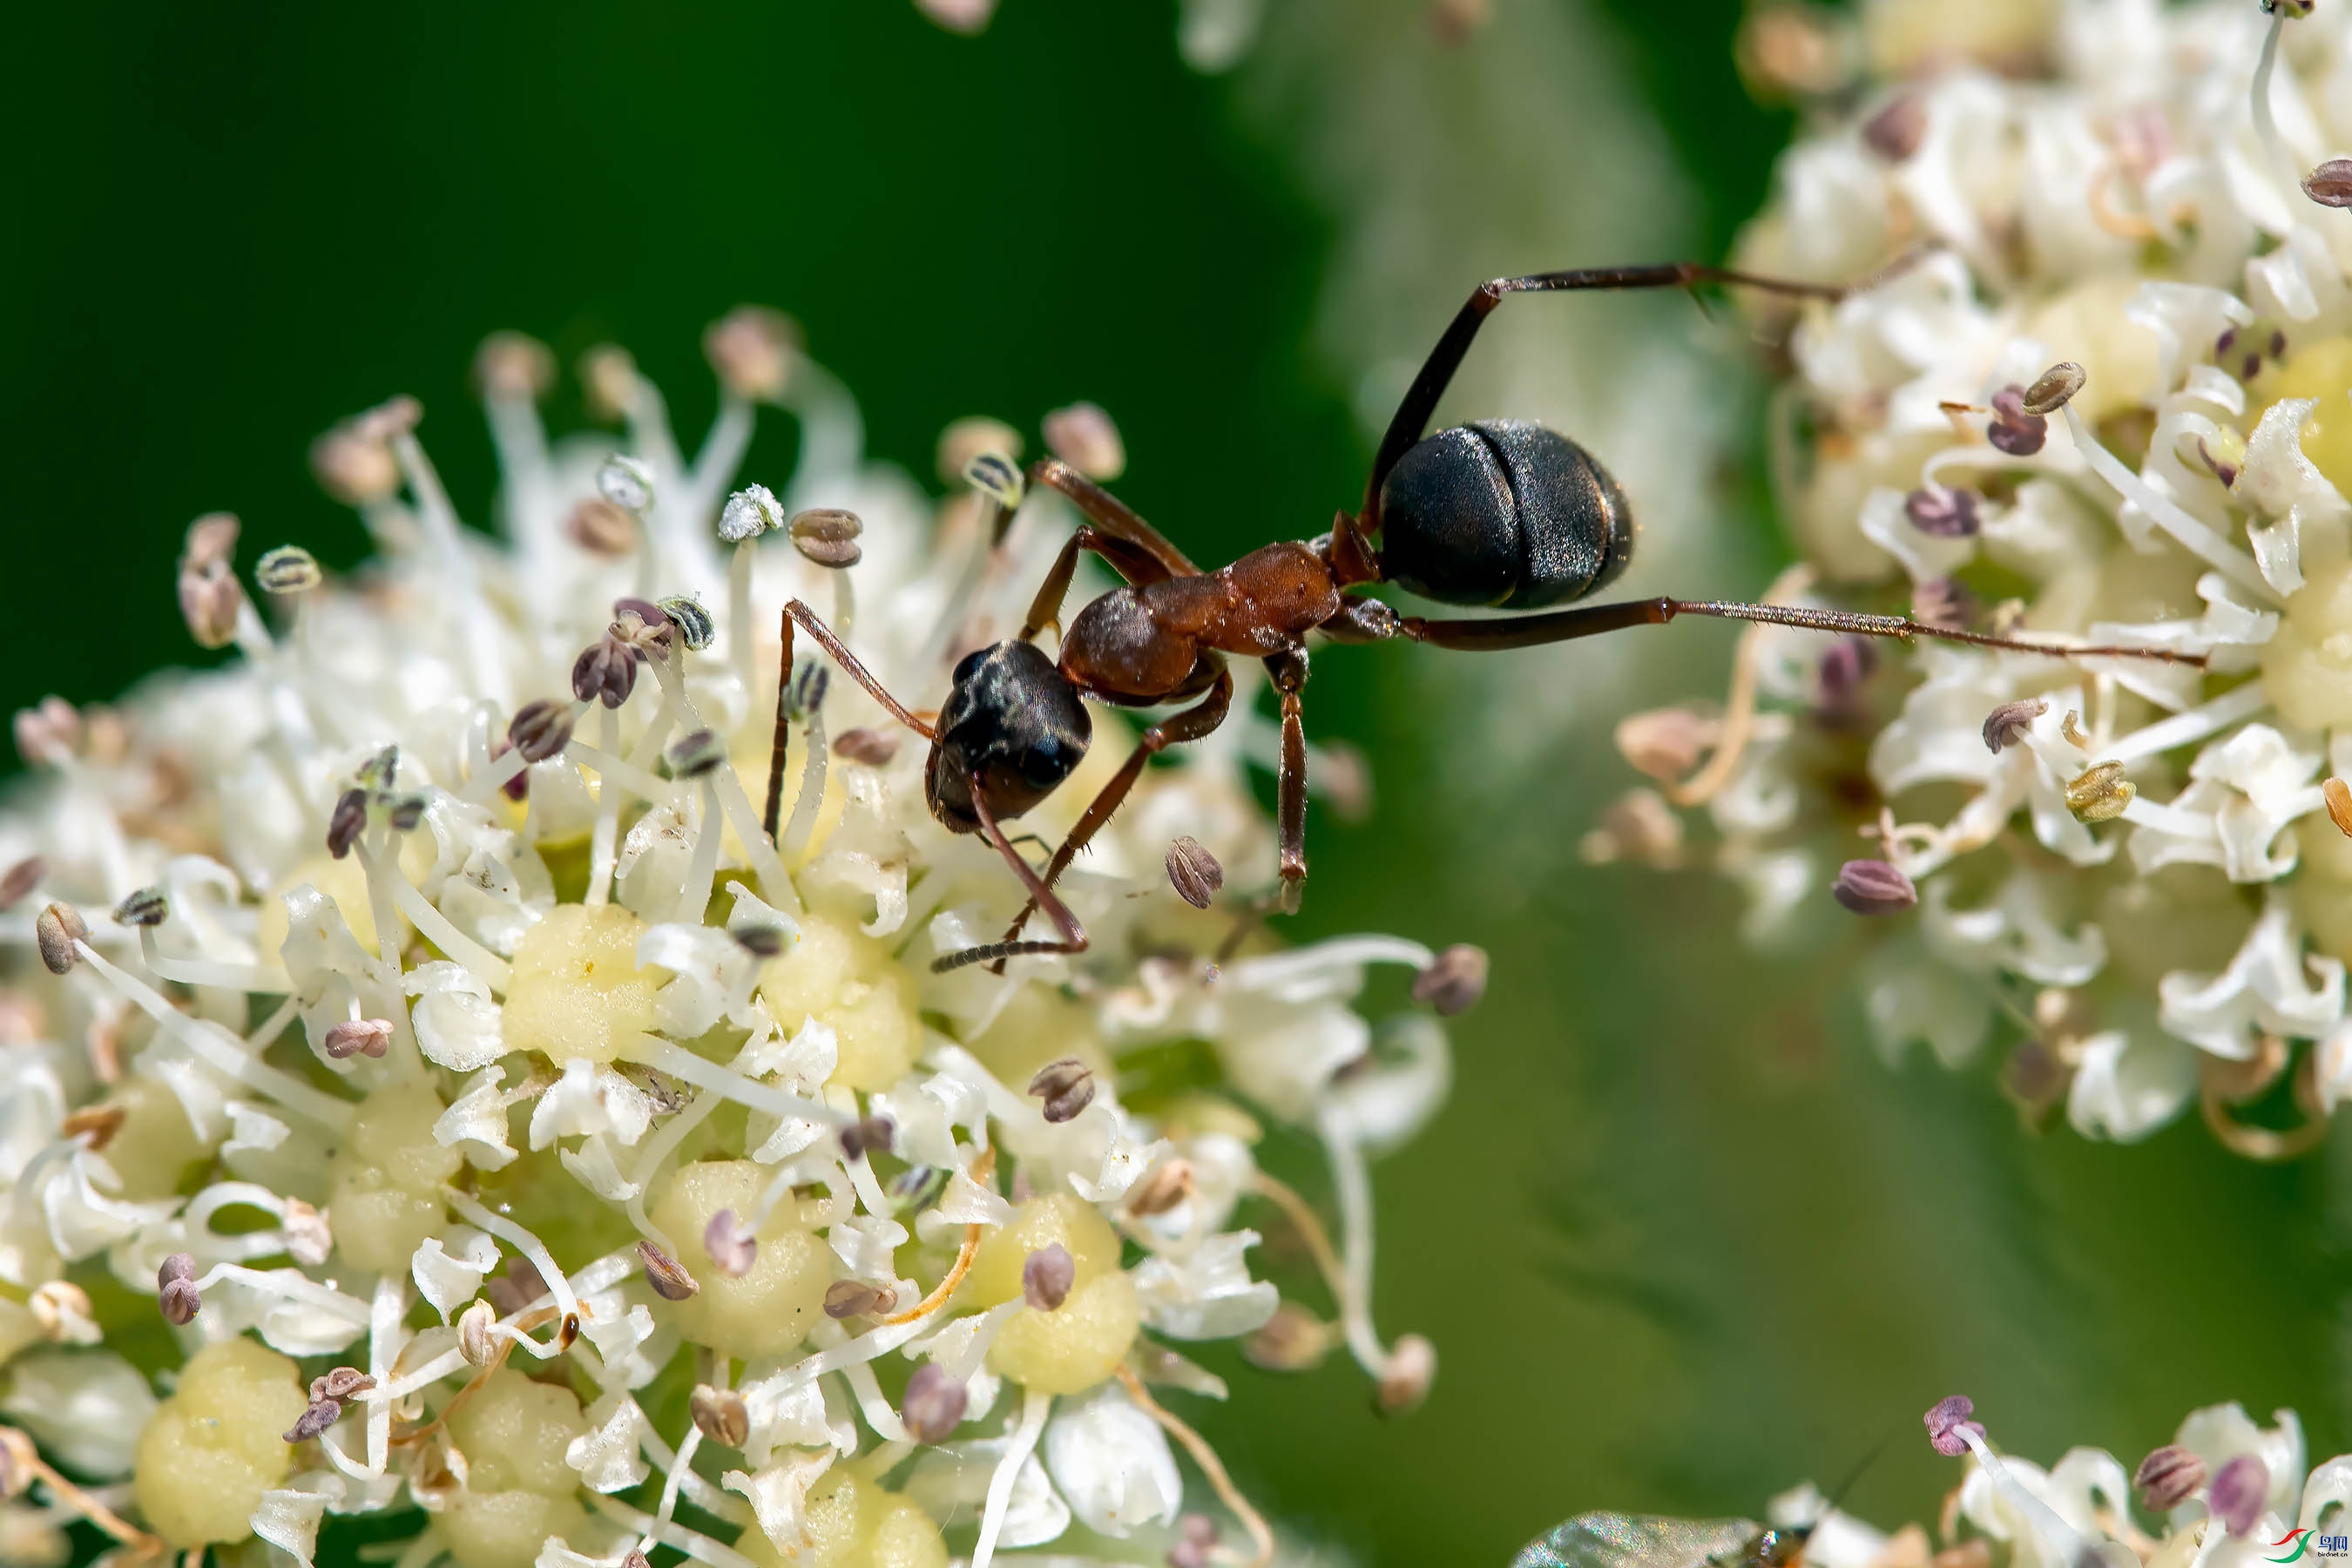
x,y
1680,1238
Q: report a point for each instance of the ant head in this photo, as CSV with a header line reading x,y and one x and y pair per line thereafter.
x,y
1505,513
1015,721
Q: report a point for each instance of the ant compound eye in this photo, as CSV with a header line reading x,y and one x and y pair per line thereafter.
x,y
1042,769
965,666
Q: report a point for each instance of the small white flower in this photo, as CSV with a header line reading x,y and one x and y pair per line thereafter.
x,y
1111,1464
607,1454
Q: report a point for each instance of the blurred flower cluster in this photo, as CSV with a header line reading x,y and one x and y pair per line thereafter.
x,y
431,1085
2094,391
2226,1492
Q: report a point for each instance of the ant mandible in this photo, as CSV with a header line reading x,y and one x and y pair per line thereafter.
x,y
1499,514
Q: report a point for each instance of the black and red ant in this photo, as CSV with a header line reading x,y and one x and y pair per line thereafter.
x,y
1499,514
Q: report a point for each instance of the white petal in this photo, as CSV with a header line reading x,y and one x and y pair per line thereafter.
x,y
476,1122
448,1270
607,1456
1111,1463
1208,1295
458,1025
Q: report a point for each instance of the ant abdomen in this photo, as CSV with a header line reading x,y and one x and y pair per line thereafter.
x,y
1503,513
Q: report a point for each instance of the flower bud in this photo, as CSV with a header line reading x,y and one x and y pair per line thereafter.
x,y
354,466
1895,131
605,671
62,1311
692,756
600,528
729,1246
288,569
2007,724
608,381
210,594
967,439
2329,184
320,1414
340,1383
55,932
1947,1419
753,349
1169,1184
1454,982
2334,791
1046,1276
1193,872
2167,1477
1293,1340
309,1236
933,1405
627,483
2015,429
996,477
147,907
541,729
345,823
748,513
854,1298
871,1135
1404,1381
1942,513
175,1288
2053,388
19,880
667,1277
475,1342
1666,742
2101,794
872,748
1945,603
695,628
828,536
1873,887
357,1038
2239,1491
720,1415
512,367
1066,1086
50,732
1084,436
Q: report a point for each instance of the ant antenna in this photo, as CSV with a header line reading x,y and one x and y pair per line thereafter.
x,y
1838,1494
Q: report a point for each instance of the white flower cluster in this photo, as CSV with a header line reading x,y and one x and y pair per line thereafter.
x,y
417,1010
2124,864
2226,1492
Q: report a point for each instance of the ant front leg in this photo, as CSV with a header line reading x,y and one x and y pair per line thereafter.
x,y
796,611
1189,724
1135,564
1111,515
1289,673
1073,937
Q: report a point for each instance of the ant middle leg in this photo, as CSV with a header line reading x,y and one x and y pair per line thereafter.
x,y
1494,633
1289,673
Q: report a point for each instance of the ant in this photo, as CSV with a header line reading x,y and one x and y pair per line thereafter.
x,y
1499,514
